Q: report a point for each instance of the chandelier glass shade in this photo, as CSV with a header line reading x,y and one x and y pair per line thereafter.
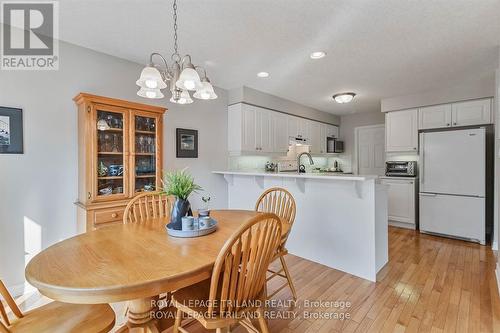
x,y
180,77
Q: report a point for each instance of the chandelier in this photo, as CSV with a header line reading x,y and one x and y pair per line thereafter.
x,y
180,78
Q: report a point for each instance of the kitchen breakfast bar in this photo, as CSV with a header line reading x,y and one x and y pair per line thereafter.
x,y
341,220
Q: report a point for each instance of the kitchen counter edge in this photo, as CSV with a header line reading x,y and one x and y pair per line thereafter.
x,y
296,175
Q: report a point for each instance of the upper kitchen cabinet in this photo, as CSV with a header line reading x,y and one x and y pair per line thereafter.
x,y
249,129
477,112
469,113
299,127
401,130
252,129
318,137
436,116
263,130
280,132
332,131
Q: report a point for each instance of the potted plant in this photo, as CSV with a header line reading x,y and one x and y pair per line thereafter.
x,y
179,184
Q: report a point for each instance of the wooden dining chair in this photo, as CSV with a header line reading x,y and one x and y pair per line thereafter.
x,y
280,202
238,280
55,317
148,206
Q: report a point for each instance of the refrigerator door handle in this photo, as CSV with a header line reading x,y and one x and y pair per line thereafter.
x,y
422,158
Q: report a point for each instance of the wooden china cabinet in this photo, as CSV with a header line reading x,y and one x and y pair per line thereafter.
x,y
120,155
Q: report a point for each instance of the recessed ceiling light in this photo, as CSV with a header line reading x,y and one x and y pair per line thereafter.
x,y
263,74
317,55
342,98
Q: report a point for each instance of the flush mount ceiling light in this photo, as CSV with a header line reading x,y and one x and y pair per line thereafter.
x,y
344,97
180,78
263,74
317,55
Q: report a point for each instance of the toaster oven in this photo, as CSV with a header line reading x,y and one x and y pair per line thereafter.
x,y
401,168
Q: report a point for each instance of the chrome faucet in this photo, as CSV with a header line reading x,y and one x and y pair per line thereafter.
x,y
298,161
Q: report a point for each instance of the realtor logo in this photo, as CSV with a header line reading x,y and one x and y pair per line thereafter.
x,y
30,35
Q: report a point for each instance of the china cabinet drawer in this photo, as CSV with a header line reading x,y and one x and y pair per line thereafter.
x,y
108,215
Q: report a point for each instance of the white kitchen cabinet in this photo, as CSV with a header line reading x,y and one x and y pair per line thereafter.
x,y
244,128
241,128
477,112
436,116
401,201
255,129
280,132
249,139
401,130
299,127
263,130
332,131
305,128
318,135
292,126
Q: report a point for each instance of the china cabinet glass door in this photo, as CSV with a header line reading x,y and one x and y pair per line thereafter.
x,y
111,160
145,152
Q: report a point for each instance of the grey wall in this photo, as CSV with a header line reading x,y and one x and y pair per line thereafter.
x,y
477,88
38,188
256,97
347,125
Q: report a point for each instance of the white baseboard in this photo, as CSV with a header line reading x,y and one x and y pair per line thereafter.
x,y
402,225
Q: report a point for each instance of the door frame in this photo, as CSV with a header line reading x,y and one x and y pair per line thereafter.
x,y
355,159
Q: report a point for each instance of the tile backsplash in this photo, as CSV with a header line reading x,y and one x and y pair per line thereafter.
x,y
258,162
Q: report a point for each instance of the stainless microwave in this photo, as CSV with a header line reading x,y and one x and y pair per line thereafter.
x,y
333,145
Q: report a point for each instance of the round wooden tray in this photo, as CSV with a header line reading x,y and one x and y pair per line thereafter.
x,y
194,232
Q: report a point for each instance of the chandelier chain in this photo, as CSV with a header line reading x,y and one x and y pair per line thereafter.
x,y
175,28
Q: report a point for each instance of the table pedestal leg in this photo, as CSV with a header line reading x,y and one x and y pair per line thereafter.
x,y
141,315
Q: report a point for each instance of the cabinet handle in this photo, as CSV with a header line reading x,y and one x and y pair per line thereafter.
x,y
114,215
454,123
448,124
89,196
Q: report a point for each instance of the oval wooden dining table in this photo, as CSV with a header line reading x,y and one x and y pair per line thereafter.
x,y
130,262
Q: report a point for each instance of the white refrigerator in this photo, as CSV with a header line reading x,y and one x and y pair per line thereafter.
x,y
452,183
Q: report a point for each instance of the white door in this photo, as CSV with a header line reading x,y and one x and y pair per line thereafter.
x,y
401,200
264,140
472,112
457,216
437,116
370,150
453,162
248,120
280,132
401,130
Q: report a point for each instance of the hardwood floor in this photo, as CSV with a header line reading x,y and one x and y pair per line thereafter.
x,y
430,284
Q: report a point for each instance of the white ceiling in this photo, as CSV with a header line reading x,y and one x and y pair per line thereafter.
x,y
376,48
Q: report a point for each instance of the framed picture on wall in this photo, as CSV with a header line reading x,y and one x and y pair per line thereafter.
x,y
11,130
186,143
